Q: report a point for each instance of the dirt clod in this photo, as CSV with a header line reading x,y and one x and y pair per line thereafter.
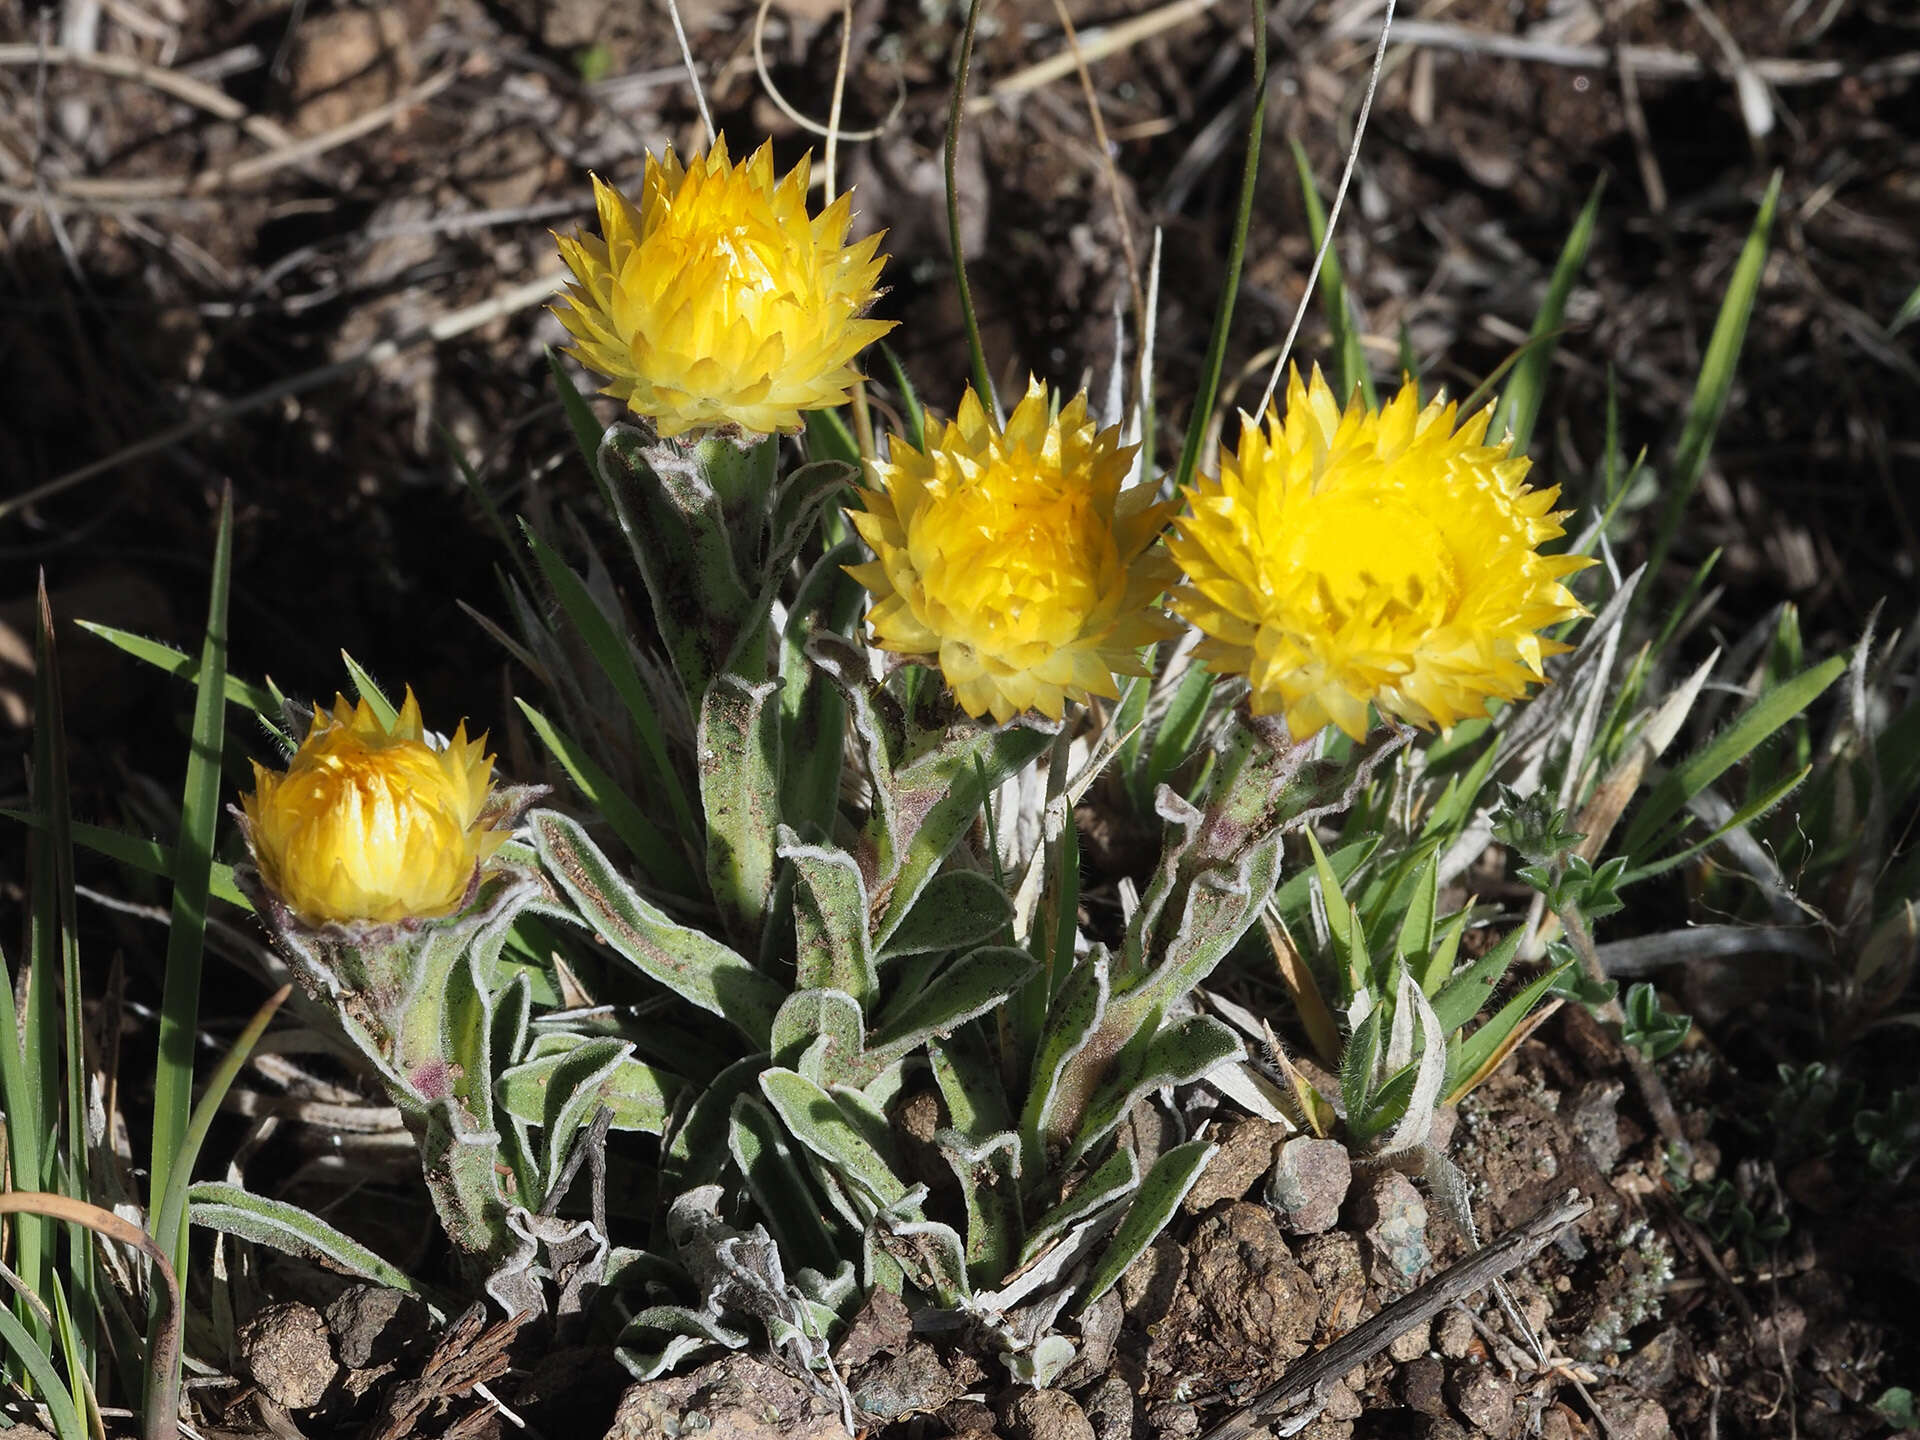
x,y
911,1383
1248,1289
1411,1344
1631,1415
1310,1182
1047,1415
1484,1400
1339,1274
286,1350
737,1395
1173,1421
1245,1153
1148,1287
966,1417
881,1326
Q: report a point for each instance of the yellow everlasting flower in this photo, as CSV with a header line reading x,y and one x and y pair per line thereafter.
x,y
716,300
1383,557
1014,559
371,823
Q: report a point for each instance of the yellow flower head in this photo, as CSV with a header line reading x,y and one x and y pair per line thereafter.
x,y
1015,559
1384,557
717,300
371,823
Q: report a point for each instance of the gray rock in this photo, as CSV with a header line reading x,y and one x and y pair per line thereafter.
x,y
1485,1401
1392,1218
1594,1118
1411,1344
1109,1407
286,1350
1099,1330
1453,1334
1245,1154
1440,1427
371,1324
1421,1384
1656,1362
1047,1415
1310,1182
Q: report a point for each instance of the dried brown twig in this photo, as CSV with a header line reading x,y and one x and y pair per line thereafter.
x,y
1296,1390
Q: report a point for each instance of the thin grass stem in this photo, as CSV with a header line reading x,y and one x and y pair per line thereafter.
x,y
976,353
1203,400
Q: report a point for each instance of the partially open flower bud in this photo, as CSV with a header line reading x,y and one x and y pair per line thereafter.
x,y
373,824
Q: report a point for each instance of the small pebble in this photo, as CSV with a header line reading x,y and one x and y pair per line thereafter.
x,y
1453,1335
1413,1344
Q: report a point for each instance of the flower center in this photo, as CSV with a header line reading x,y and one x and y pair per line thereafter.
x,y
1373,557
1017,555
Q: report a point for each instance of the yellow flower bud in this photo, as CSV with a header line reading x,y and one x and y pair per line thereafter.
x,y
1014,559
370,823
1356,557
716,300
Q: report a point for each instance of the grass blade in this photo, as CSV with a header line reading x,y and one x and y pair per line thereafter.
x,y
173,1205
1350,356
1208,394
1699,770
1716,376
976,353
1520,405
39,1368
25,1120
192,871
586,426
1908,313
610,651
656,854
256,698
55,925
149,857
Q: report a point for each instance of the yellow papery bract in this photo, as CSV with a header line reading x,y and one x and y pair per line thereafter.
x,y
1351,557
372,824
1014,560
717,300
